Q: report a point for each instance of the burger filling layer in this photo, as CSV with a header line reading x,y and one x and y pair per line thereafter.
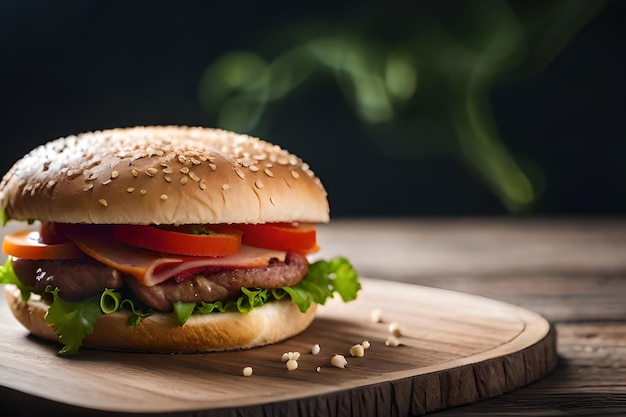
x,y
78,279
86,271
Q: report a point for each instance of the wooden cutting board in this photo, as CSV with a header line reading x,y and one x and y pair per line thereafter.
x,y
455,349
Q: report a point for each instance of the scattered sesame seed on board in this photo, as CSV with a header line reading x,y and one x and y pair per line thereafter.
x,y
357,350
291,364
338,361
394,329
392,341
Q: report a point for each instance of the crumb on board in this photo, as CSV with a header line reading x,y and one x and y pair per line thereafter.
x,y
338,361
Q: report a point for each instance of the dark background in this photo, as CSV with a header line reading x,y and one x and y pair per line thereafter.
x,y
74,66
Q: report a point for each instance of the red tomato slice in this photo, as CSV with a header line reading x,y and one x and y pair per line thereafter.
x,y
210,240
27,244
288,237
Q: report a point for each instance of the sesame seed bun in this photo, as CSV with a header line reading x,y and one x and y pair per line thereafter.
x,y
162,175
264,325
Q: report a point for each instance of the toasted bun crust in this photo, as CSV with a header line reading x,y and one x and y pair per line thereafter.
x,y
162,175
268,324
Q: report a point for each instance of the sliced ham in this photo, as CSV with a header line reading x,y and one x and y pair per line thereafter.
x,y
151,268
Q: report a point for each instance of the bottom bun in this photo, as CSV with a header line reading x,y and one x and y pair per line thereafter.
x,y
271,323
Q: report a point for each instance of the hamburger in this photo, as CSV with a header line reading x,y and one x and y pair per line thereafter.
x,y
166,239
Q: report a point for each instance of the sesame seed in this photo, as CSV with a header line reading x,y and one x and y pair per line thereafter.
x,y
282,160
202,184
184,170
163,197
315,349
151,172
134,171
167,170
295,174
212,166
225,187
195,161
269,173
291,364
338,361
253,168
182,159
258,184
51,183
106,182
167,178
394,329
240,173
194,177
392,341
290,356
357,350
103,202
142,191
130,189
114,174
87,187
184,180
247,371
376,315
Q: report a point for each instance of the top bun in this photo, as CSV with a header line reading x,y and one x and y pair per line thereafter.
x,y
162,175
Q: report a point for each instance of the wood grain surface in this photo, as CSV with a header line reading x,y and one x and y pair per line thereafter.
x,y
454,349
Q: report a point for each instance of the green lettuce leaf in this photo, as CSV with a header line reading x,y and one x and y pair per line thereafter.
x,y
73,321
325,278
182,311
7,276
